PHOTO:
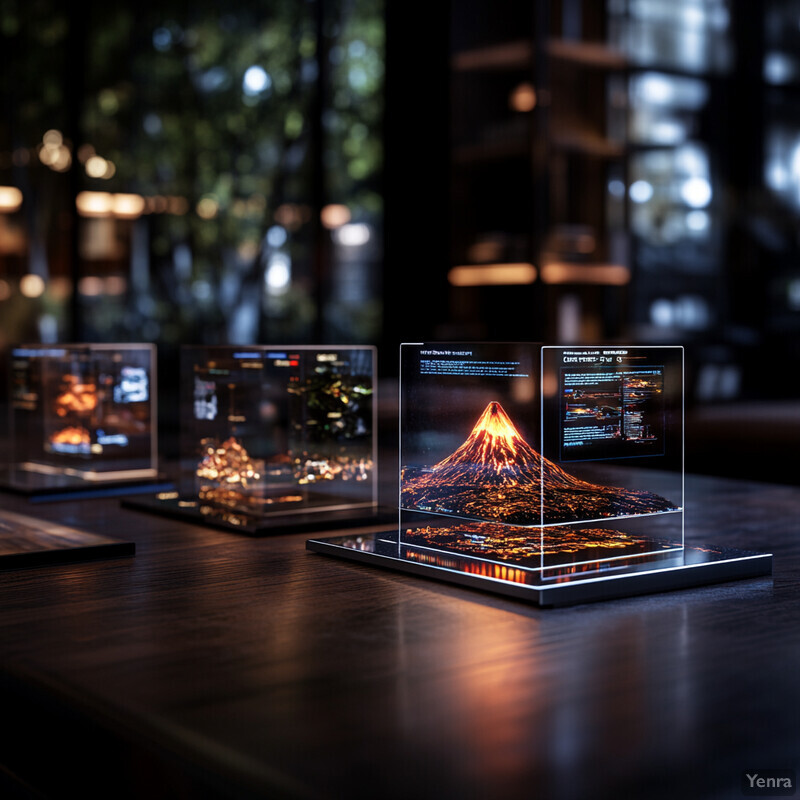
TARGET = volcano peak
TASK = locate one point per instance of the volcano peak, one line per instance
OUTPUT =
(496, 447)
(495, 422)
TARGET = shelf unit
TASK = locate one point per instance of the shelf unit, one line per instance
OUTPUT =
(532, 156)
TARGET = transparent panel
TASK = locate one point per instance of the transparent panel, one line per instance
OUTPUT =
(84, 411)
(277, 430)
(611, 453)
(525, 457)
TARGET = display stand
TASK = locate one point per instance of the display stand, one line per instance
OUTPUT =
(172, 504)
(29, 542)
(274, 439)
(82, 421)
(548, 473)
(52, 488)
(693, 566)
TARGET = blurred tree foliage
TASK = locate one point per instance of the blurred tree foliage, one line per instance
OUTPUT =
(236, 121)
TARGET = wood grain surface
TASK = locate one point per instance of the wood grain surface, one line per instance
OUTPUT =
(218, 665)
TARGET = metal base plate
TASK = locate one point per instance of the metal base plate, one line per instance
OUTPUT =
(550, 587)
(189, 509)
(45, 488)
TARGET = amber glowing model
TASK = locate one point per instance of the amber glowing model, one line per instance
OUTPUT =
(78, 396)
(229, 463)
(229, 477)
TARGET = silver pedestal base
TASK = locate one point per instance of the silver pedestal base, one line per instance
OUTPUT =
(551, 587)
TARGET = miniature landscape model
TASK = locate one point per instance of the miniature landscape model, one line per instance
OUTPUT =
(498, 479)
(229, 477)
(331, 444)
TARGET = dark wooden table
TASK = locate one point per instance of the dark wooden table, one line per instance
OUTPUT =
(216, 665)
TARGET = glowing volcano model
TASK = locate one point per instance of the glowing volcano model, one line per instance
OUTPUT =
(497, 476)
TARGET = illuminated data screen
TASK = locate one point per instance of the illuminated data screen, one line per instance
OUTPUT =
(612, 409)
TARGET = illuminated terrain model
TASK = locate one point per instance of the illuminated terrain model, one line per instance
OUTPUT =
(497, 476)
(229, 477)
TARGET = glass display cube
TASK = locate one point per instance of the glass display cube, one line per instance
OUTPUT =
(556, 469)
(82, 415)
(541, 458)
(275, 437)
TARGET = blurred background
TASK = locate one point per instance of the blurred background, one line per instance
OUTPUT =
(374, 171)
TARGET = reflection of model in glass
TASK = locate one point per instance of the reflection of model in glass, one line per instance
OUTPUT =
(495, 475)
(558, 544)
